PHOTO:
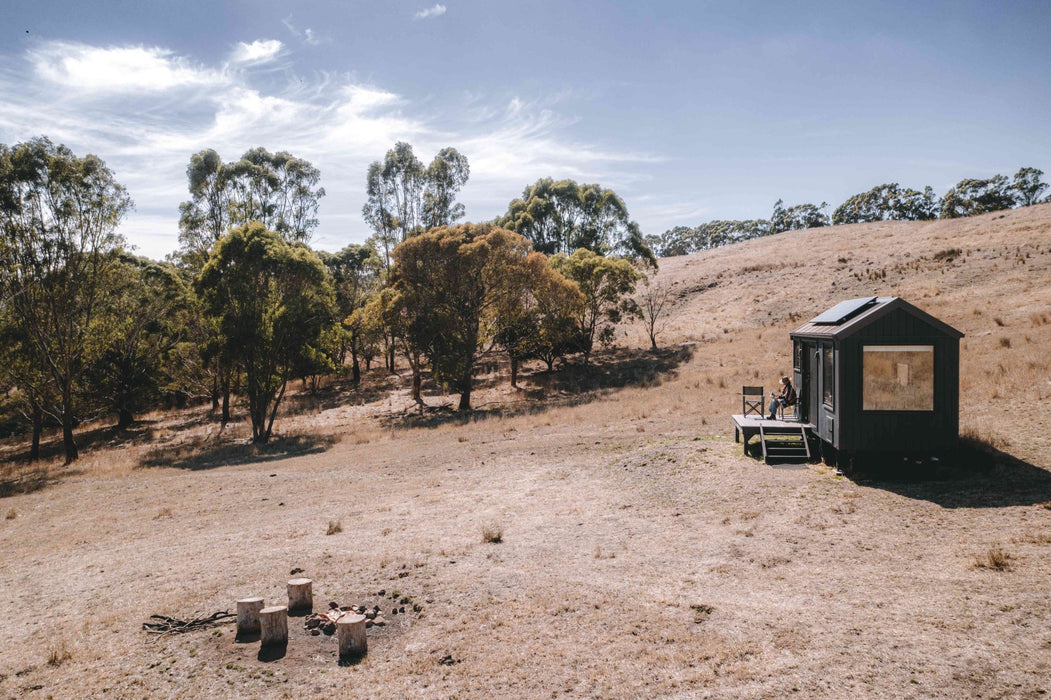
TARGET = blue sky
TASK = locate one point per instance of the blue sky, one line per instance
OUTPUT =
(691, 111)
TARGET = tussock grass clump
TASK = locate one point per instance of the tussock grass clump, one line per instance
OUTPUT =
(59, 655)
(163, 513)
(995, 559)
(492, 533)
(334, 527)
(11, 514)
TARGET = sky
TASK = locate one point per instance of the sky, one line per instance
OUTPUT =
(690, 110)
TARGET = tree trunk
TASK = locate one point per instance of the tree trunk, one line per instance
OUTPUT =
(248, 617)
(215, 393)
(350, 630)
(300, 594)
(124, 417)
(355, 367)
(514, 371)
(465, 400)
(273, 626)
(68, 443)
(225, 417)
(417, 384)
(38, 428)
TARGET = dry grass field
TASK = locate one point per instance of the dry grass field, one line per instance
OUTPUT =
(594, 534)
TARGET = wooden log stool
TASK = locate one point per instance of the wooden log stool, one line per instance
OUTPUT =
(350, 630)
(248, 616)
(300, 595)
(273, 624)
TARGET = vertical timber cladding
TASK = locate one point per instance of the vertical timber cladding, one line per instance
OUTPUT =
(912, 399)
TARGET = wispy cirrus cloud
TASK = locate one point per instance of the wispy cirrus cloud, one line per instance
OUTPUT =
(146, 110)
(437, 11)
(308, 35)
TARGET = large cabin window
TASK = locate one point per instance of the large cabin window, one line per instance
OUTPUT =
(828, 377)
(898, 378)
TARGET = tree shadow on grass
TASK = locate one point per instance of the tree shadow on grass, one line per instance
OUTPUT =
(19, 478)
(200, 454)
(978, 475)
(573, 384)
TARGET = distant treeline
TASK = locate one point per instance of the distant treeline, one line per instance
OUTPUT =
(244, 306)
(889, 202)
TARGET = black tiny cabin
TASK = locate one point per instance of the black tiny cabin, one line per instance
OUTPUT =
(878, 375)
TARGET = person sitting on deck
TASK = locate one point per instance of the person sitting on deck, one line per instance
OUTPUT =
(787, 397)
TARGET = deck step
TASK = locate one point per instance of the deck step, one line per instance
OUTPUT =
(784, 444)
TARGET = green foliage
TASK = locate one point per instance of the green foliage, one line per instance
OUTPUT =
(889, 202)
(271, 299)
(355, 272)
(405, 199)
(449, 283)
(971, 197)
(799, 216)
(1028, 186)
(562, 216)
(147, 317)
(276, 189)
(607, 285)
(683, 240)
(58, 218)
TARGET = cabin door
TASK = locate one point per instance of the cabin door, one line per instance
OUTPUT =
(800, 377)
(823, 400)
(813, 384)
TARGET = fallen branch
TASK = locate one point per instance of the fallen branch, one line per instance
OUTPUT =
(171, 625)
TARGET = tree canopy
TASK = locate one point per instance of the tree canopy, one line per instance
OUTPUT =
(887, 202)
(59, 215)
(271, 299)
(970, 197)
(562, 216)
(278, 190)
(405, 198)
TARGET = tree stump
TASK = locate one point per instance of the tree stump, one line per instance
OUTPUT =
(300, 595)
(273, 624)
(350, 630)
(248, 616)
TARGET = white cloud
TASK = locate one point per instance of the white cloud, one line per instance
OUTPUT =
(258, 51)
(87, 68)
(437, 11)
(340, 125)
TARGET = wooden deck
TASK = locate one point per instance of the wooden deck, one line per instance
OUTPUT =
(746, 427)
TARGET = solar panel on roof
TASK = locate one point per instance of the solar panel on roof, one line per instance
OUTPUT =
(843, 311)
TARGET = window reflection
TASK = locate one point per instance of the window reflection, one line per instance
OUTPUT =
(898, 378)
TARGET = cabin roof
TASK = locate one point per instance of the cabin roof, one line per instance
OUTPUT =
(852, 315)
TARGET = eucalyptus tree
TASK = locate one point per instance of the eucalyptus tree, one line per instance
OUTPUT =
(406, 198)
(271, 299)
(277, 189)
(1028, 186)
(355, 275)
(607, 285)
(147, 316)
(59, 215)
(798, 216)
(453, 281)
(970, 197)
(887, 202)
(562, 216)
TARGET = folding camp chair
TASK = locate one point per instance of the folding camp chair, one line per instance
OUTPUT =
(752, 399)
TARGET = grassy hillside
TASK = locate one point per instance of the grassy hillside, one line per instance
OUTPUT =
(640, 554)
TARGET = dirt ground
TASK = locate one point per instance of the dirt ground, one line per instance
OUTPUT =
(640, 553)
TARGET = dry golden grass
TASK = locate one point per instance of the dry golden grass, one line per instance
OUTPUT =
(644, 557)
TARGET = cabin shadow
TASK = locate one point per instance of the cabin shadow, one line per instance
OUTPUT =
(572, 384)
(976, 476)
(198, 455)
